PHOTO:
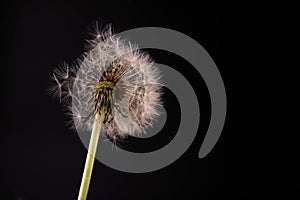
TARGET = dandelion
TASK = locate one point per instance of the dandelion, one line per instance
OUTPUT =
(114, 88)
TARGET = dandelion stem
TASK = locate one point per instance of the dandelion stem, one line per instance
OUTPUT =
(89, 163)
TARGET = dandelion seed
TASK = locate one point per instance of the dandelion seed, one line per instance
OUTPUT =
(115, 88)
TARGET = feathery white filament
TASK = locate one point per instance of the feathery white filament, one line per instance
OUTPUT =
(136, 93)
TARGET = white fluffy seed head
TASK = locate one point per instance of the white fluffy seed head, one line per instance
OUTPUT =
(136, 95)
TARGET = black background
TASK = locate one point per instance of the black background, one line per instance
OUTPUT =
(41, 158)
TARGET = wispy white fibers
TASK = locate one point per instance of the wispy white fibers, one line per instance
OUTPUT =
(135, 82)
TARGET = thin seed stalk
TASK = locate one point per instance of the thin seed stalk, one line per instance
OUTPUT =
(89, 163)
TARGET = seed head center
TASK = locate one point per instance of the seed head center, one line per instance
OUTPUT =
(103, 98)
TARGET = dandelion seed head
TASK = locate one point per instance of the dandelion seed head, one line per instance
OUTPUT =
(113, 77)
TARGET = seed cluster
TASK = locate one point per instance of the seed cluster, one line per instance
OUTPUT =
(113, 78)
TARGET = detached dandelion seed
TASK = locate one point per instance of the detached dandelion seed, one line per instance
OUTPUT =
(114, 88)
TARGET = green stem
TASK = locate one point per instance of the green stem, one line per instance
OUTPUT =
(89, 163)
